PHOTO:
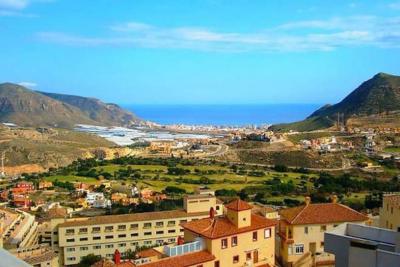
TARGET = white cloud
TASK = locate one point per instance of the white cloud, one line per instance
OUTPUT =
(319, 35)
(395, 5)
(28, 84)
(14, 4)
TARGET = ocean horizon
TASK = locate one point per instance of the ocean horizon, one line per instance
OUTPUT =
(223, 115)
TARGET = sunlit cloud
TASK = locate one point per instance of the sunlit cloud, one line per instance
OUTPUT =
(316, 35)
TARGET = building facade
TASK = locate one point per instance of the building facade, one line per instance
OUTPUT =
(389, 214)
(102, 235)
(301, 232)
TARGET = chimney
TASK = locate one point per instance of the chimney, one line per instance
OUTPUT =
(212, 213)
(117, 257)
(180, 240)
(307, 200)
(334, 199)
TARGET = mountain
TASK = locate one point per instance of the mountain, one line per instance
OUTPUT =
(25, 107)
(380, 94)
(104, 113)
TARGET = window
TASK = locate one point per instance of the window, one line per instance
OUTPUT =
(134, 234)
(83, 239)
(71, 240)
(122, 245)
(236, 259)
(323, 228)
(160, 232)
(147, 225)
(216, 264)
(248, 256)
(299, 249)
(109, 228)
(83, 248)
(224, 243)
(234, 241)
(147, 242)
(109, 236)
(110, 246)
(171, 223)
(183, 221)
(121, 227)
(171, 231)
(95, 229)
(83, 231)
(171, 240)
(70, 249)
(306, 230)
(255, 236)
(71, 258)
(159, 224)
(217, 207)
(134, 226)
(147, 233)
(267, 233)
(96, 237)
(135, 244)
(96, 247)
(69, 231)
(159, 242)
(322, 244)
(122, 236)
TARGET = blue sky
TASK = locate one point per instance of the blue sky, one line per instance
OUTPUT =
(199, 51)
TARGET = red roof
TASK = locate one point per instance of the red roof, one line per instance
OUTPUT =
(184, 260)
(222, 226)
(149, 253)
(238, 205)
(321, 213)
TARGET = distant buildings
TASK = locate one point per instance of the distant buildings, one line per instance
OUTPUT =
(358, 245)
(301, 231)
(390, 212)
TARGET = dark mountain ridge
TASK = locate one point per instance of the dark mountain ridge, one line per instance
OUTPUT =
(25, 107)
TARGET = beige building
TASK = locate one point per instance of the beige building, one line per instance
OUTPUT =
(236, 238)
(389, 214)
(37, 256)
(102, 235)
(301, 232)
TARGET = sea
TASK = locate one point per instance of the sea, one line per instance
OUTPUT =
(223, 115)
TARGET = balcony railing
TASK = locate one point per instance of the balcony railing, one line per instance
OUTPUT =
(183, 249)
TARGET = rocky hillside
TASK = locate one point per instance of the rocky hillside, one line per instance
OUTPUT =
(25, 107)
(378, 95)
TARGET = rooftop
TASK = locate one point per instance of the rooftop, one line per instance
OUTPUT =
(184, 260)
(46, 256)
(145, 216)
(238, 205)
(321, 213)
(149, 253)
(221, 226)
(109, 263)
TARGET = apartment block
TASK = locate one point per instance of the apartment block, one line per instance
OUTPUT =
(102, 235)
(389, 214)
(235, 238)
(301, 232)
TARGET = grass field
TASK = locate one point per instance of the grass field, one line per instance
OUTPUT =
(157, 178)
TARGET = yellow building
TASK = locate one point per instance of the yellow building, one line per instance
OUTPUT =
(301, 231)
(236, 238)
(389, 214)
(102, 235)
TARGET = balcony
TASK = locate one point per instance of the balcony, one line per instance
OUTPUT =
(176, 250)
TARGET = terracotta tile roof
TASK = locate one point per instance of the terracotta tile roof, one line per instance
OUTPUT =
(149, 253)
(393, 200)
(184, 260)
(321, 213)
(145, 216)
(46, 256)
(109, 263)
(56, 212)
(219, 201)
(238, 205)
(221, 226)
